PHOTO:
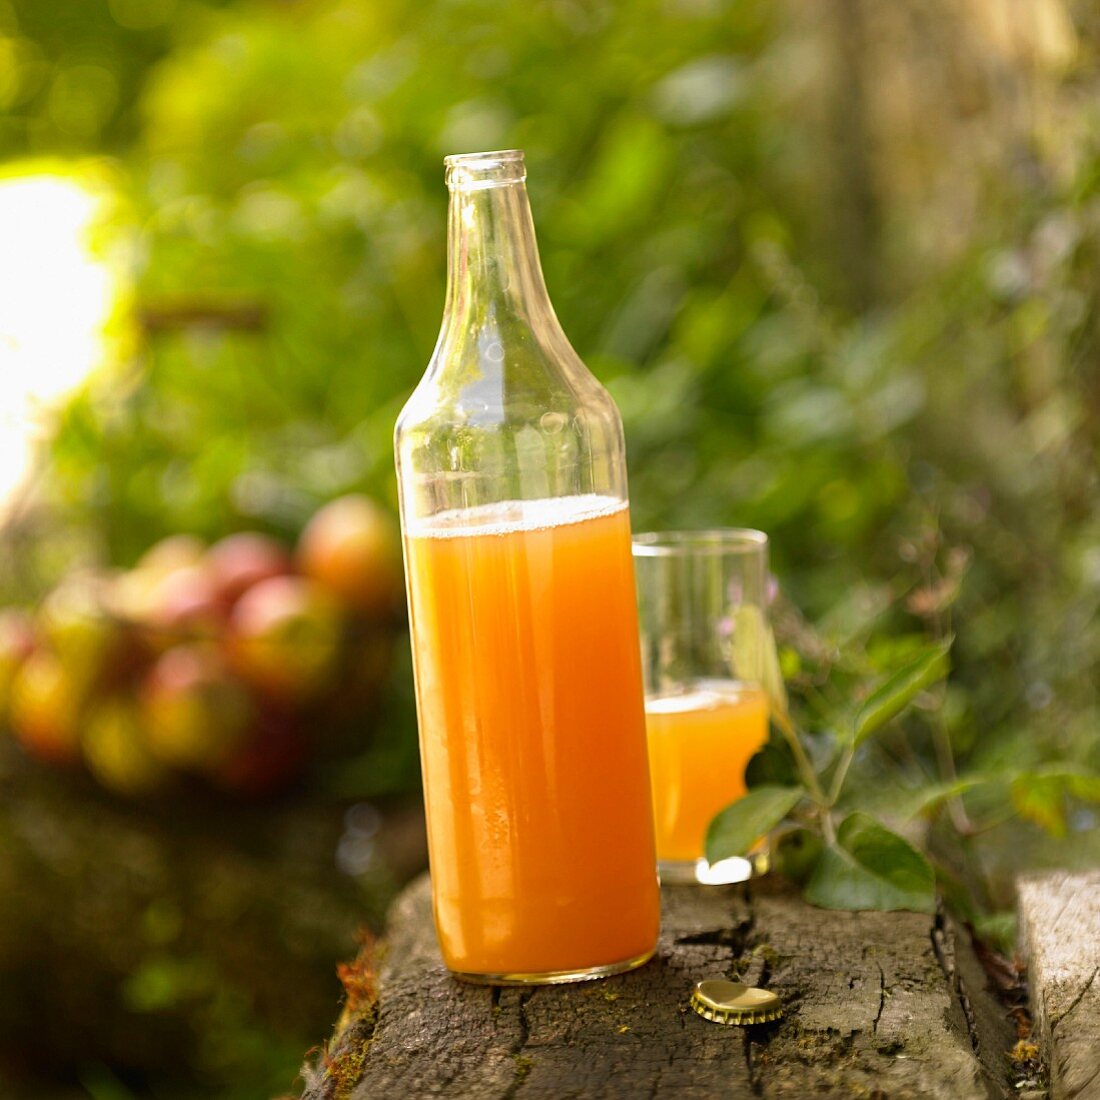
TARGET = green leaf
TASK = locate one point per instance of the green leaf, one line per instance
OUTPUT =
(870, 867)
(1084, 785)
(1041, 799)
(741, 824)
(755, 658)
(1040, 796)
(895, 693)
(772, 765)
(926, 801)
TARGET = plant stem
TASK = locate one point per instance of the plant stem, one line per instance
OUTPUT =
(941, 738)
(806, 770)
(945, 761)
(841, 773)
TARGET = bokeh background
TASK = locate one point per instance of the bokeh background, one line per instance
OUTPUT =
(836, 261)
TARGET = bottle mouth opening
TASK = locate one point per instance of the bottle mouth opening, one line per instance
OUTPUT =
(477, 171)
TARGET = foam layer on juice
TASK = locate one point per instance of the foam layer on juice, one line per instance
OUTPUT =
(508, 516)
(702, 698)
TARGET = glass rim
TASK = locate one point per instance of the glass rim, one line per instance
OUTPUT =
(489, 159)
(712, 540)
(479, 171)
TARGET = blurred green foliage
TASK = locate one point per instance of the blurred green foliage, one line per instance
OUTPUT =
(71, 73)
(837, 274)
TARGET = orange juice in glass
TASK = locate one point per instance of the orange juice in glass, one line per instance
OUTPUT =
(706, 714)
(523, 619)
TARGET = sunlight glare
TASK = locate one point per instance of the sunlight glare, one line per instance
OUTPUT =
(55, 301)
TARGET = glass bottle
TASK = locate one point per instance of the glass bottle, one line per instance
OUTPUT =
(512, 483)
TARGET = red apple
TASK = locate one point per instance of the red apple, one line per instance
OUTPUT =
(115, 749)
(239, 561)
(169, 607)
(45, 708)
(284, 638)
(194, 712)
(186, 602)
(351, 546)
(139, 594)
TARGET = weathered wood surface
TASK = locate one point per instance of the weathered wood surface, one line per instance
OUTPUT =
(1060, 939)
(877, 1006)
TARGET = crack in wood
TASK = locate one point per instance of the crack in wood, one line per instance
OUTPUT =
(968, 1015)
(881, 998)
(524, 1023)
(938, 941)
(735, 938)
(954, 979)
(522, 1064)
(755, 1083)
(1076, 1000)
(765, 973)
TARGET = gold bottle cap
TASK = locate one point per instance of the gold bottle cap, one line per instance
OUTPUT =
(734, 1003)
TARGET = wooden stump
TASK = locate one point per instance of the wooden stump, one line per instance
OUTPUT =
(1060, 938)
(877, 1005)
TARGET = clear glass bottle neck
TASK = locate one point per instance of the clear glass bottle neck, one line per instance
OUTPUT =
(493, 274)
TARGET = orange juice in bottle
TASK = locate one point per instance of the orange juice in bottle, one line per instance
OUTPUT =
(523, 618)
(530, 703)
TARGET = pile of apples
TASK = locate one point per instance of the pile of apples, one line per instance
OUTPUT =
(231, 664)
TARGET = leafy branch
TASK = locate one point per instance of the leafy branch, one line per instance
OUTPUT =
(800, 783)
(855, 862)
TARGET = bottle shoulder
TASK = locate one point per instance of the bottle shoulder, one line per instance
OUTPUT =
(521, 423)
(492, 384)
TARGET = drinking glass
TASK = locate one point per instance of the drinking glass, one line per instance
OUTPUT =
(702, 601)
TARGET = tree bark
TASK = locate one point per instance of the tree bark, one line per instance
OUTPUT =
(876, 1006)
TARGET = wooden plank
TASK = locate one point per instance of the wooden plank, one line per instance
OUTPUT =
(873, 1003)
(1060, 939)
